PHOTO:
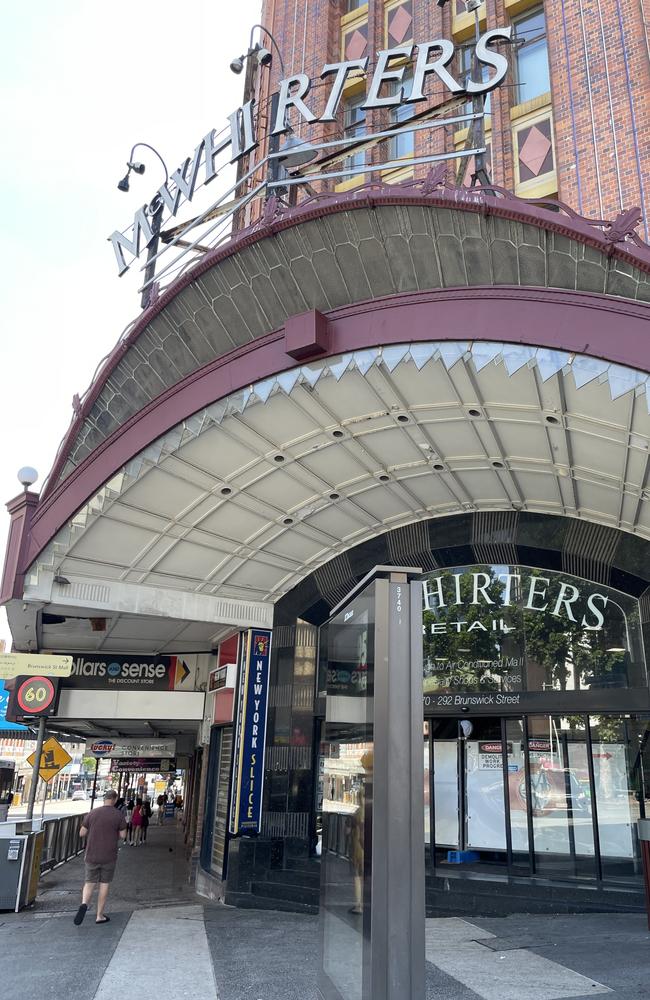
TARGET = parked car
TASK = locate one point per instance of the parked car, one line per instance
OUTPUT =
(78, 795)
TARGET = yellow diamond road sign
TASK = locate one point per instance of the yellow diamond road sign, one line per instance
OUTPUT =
(29, 664)
(54, 757)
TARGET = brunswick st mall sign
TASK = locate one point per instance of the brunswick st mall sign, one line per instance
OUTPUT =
(239, 136)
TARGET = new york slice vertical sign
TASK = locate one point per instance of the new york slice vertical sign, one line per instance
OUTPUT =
(250, 734)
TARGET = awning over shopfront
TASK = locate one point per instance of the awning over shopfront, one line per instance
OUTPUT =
(356, 366)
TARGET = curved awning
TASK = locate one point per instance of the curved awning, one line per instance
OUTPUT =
(214, 497)
(336, 251)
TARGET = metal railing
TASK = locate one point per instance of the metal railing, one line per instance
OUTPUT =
(62, 841)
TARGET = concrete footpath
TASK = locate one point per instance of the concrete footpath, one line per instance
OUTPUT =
(165, 940)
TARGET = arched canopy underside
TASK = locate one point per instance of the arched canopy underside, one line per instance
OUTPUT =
(610, 333)
(253, 493)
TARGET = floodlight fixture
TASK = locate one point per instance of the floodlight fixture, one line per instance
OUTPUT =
(296, 152)
(137, 167)
(263, 55)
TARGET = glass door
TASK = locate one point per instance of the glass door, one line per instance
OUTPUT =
(620, 755)
(444, 787)
(560, 796)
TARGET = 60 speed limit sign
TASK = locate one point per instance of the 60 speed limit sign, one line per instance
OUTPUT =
(32, 696)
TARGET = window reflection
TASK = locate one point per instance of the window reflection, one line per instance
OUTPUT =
(560, 796)
(354, 126)
(346, 780)
(402, 145)
(532, 56)
(619, 746)
(516, 628)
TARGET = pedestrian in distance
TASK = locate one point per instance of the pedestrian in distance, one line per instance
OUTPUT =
(128, 816)
(160, 802)
(102, 829)
(136, 822)
(146, 816)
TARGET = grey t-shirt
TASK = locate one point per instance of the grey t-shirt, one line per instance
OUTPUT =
(103, 825)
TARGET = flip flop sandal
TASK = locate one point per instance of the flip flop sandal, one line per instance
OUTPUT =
(80, 914)
(106, 920)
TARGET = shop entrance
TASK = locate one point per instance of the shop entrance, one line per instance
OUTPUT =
(545, 796)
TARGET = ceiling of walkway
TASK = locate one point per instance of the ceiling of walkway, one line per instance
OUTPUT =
(247, 497)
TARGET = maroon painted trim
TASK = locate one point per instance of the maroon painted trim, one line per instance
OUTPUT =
(611, 242)
(21, 511)
(570, 321)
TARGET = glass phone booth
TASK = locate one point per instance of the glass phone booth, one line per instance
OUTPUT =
(372, 857)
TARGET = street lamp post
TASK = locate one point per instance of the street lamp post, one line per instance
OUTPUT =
(156, 210)
(264, 58)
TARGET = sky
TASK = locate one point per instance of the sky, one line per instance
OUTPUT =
(80, 82)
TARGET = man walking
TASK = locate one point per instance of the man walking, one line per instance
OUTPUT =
(103, 828)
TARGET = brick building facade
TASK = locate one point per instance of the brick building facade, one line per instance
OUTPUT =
(571, 120)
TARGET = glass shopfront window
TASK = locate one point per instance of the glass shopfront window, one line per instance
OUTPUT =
(544, 795)
(502, 630)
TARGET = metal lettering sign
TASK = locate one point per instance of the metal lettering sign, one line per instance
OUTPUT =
(293, 105)
(250, 734)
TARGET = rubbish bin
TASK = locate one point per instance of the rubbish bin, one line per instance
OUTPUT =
(21, 848)
(644, 841)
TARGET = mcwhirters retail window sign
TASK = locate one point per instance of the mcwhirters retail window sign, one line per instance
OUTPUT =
(502, 630)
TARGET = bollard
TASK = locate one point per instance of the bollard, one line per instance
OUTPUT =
(643, 826)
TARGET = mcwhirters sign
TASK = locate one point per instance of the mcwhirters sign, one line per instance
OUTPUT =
(405, 75)
(494, 632)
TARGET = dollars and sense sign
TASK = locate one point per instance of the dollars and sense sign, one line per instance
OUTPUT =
(134, 672)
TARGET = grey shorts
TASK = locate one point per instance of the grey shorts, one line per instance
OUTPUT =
(100, 873)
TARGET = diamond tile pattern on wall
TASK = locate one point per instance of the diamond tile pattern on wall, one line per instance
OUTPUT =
(400, 23)
(356, 43)
(535, 151)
